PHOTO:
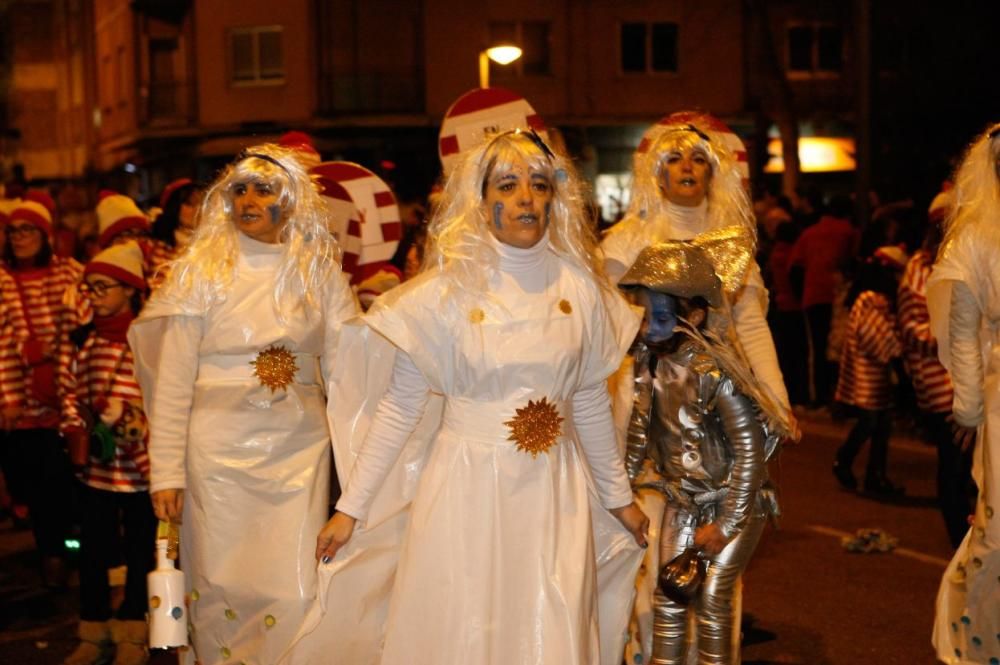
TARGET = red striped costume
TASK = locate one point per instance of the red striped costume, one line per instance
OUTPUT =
(930, 379)
(33, 313)
(870, 343)
(98, 373)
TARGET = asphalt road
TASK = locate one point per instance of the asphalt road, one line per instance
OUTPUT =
(810, 602)
(806, 600)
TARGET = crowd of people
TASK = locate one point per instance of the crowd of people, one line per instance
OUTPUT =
(505, 422)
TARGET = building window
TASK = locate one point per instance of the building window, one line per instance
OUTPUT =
(257, 55)
(648, 48)
(533, 37)
(815, 50)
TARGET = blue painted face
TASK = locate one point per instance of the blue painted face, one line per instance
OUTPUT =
(660, 316)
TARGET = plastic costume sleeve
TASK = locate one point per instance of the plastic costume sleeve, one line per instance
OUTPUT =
(739, 422)
(967, 360)
(168, 402)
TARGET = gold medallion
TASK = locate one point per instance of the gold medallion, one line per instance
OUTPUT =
(275, 367)
(477, 315)
(535, 427)
(565, 307)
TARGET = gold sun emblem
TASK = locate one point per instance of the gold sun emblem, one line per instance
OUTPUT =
(275, 367)
(536, 427)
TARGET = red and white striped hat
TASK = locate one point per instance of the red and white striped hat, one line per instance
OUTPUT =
(730, 139)
(478, 113)
(34, 213)
(122, 262)
(116, 213)
(365, 215)
(6, 208)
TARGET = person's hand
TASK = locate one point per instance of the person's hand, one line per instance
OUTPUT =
(633, 519)
(10, 416)
(709, 539)
(333, 536)
(169, 505)
(962, 436)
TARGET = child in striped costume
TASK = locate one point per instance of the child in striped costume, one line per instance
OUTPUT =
(102, 415)
(865, 383)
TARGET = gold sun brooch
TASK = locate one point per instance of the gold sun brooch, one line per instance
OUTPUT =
(536, 427)
(275, 367)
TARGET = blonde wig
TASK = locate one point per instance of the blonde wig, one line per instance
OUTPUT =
(977, 185)
(728, 203)
(460, 243)
(203, 275)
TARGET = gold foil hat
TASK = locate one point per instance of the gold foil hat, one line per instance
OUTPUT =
(677, 268)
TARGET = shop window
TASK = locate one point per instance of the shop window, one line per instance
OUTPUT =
(257, 55)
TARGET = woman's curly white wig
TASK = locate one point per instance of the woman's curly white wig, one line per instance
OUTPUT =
(977, 184)
(203, 275)
(728, 202)
(460, 242)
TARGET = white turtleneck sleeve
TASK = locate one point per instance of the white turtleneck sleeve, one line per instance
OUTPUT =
(754, 334)
(396, 417)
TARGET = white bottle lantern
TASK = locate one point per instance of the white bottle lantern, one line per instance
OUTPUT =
(168, 621)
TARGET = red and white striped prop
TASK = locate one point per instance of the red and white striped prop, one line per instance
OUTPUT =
(480, 112)
(731, 139)
(365, 215)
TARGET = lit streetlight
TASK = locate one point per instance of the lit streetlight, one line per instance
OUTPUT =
(502, 54)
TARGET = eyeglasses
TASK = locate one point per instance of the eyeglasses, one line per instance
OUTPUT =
(98, 289)
(22, 231)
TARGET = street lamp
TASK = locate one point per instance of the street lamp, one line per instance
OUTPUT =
(502, 54)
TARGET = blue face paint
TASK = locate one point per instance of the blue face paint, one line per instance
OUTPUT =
(275, 211)
(498, 216)
(660, 316)
(561, 175)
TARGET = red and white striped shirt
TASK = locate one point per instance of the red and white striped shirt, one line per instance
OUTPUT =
(101, 377)
(157, 254)
(930, 379)
(34, 311)
(870, 343)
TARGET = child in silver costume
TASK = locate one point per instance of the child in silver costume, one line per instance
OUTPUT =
(700, 433)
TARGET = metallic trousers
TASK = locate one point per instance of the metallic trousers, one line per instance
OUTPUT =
(715, 616)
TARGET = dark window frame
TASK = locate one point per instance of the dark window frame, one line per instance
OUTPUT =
(254, 33)
(649, 51)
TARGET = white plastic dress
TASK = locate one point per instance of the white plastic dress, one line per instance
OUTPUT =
(254, 463)
(503, 553)
(963, 297)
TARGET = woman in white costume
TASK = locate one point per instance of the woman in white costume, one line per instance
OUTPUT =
(231, 353)
(686, 185)
(963, 296)
(514, 323)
